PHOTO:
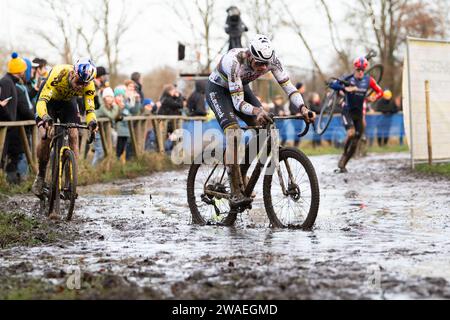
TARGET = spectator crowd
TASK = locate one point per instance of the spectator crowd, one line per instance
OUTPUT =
(19, 89)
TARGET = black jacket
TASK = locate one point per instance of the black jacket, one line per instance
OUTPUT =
(171, 106)
(139, 90)
(386, 107)
(24, 113)
(196, 102)
(235, 27)
(8, 89)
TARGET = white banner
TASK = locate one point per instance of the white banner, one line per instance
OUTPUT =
(427, 61)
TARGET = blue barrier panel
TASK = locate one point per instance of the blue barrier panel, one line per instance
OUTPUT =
(377, 126)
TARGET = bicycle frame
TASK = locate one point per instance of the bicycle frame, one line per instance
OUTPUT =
(254, 178)
(62, 144)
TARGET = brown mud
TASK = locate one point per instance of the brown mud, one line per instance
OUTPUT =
(383, 232)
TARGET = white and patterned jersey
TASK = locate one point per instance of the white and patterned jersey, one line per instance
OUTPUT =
(234, 72)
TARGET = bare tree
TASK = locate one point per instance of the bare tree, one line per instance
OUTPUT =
(113, 32)
(3, 58)
(265, 15)
(386, 25)
(292, 23)
(61, 16)
(90, 37)
(443, 6)
(101, 34)
(206, 13)
(335, 37)
(155, 80)
(203, 12)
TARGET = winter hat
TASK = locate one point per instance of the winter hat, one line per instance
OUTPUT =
(16, 65)
(108, 92)
(148, 101)
(119, 91)
(387, 95)
(101, 71)
(29, 67)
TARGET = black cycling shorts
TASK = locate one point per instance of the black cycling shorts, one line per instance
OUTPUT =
(353, 119)
(219, 100)
(64, 111)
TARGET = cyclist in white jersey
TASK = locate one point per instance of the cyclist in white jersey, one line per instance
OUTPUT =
(229, 95)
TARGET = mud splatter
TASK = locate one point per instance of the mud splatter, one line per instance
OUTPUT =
(382, 233)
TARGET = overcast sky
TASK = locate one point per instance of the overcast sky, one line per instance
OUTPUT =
(152, 40)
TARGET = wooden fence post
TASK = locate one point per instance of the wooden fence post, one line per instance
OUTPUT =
(162, 135)
(34, 143)
(429, 140)
(101, 130)
(2, 140)
(134, 140)
(26, 147)
(108, 137)
(138, 129)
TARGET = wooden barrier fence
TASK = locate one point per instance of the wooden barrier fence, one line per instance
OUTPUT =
(138, 125)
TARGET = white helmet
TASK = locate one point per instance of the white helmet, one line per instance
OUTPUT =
(261, 48)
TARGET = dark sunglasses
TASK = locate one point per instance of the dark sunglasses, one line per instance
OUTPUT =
(360, 70)
(80, 82)
(261, 64)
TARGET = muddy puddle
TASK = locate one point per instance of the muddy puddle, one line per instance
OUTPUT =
(381, 233)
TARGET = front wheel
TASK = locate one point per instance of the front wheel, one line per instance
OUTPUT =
(376, 72)
(68, 191)
(327, 111)
(291, 194)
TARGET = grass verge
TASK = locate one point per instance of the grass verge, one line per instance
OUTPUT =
(442, 169)
(109, 170)
(112, 169)
(93, 287)
(18, 229)
(326, 150)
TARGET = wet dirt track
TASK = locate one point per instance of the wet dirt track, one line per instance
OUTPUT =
(381, 233)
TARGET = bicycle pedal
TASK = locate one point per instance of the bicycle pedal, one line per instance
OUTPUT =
(240, 203)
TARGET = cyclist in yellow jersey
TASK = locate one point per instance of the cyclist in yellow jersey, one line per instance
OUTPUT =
(57, 101)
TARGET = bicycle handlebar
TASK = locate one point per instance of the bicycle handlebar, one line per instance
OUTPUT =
(71, 126)
(76, 126)
(304, 133)
(345, 83)
(372, 54)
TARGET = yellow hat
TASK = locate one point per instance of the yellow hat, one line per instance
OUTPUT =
(387, 95)
(16, 65)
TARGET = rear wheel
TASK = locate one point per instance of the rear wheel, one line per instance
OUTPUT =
(208, 209)
(68, 190)
(291, 194)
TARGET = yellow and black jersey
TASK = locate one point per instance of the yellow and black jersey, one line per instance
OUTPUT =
(58, 88)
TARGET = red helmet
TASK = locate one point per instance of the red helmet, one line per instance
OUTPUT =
(361, 63)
